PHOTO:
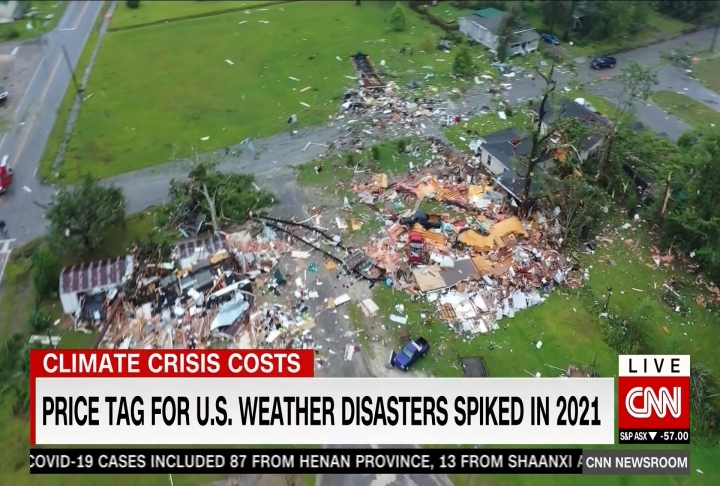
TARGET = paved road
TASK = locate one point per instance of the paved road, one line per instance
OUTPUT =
(35, 117)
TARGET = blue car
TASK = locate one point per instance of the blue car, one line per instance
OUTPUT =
(550, 39)
(408, 354)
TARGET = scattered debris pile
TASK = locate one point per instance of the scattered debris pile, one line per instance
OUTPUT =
(201, 291)
(474, 259)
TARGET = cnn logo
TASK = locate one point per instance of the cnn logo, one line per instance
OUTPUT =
(653, 403)
(654, 392)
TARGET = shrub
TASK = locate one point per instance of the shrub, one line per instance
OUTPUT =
(375, 152)
(45, 274)
(402, 146)
(9, 32)
(133, 4)
(398, 22)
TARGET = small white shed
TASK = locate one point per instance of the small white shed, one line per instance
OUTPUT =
(88, 277)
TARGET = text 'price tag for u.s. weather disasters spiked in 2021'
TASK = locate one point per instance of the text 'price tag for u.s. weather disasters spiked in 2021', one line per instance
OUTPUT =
(654, 399)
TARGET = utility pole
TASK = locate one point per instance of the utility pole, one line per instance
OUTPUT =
(72, 71)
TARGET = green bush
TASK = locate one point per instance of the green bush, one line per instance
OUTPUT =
(45, 274)
(133, 4)
(375, 152)
(398, 22)
(9, 32)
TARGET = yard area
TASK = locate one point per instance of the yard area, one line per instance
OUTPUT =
(657, 27)
(461, 134)
(40, 25)
(707, 72)
(201, 102)
(447, 12)
(687, 109)
(150, 12)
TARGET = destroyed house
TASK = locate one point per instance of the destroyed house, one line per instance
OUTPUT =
(597, 125)
(363, 66)
(206, 289)
(84, 280)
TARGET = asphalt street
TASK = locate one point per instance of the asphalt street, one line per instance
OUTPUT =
(34, 118)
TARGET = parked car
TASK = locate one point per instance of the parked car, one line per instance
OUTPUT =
(601, 62)
(3, 94)
(550, 39)
(410, 353)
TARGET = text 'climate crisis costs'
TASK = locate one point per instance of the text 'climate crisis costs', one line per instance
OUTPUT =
(318, 411)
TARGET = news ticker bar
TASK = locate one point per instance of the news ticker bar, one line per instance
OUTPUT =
(641, 437)
(358, 461)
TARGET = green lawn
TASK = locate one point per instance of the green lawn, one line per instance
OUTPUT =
(153, 101)
(461, 134)
(707, 72)
(657, 27)
(18, 30)
(447, 12)
(57, 134)
(687, 109)
(150, 12)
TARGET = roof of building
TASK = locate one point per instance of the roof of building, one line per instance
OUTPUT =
(487, 13)
(569, 109)
(88, 276)
(527, 35)
(491, 19)
(506, 145)
(514, 183)
(206, 246)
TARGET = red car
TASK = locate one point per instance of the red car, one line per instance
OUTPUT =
(5, 174)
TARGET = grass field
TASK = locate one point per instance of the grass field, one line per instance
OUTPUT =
(149, 12)
(153, 101)
(707, 72)
(18, 30)
(461, 134)
(687, 109)
(656, 28)
(447, 12)
(57, 134)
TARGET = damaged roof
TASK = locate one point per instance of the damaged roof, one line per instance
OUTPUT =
(208, 245)
(570, 109)
(88, 276)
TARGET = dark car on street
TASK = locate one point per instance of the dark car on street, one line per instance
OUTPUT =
(550, 39)
(601, 62)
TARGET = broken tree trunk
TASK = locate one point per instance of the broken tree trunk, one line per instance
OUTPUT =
(211, 206)
(666, 198)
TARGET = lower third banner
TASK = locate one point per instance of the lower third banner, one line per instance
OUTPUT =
(306, 461)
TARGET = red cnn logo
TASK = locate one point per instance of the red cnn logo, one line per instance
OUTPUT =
(654, 392)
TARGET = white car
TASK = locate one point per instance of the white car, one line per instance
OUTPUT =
(3, 94)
